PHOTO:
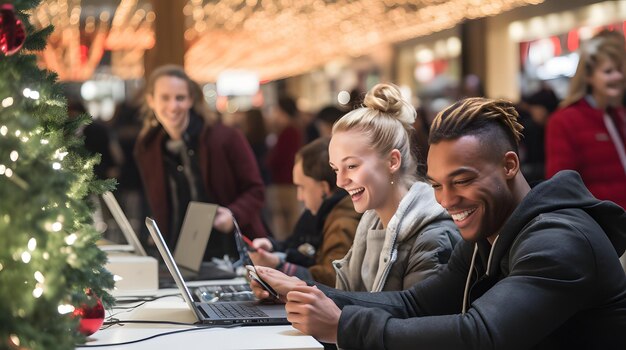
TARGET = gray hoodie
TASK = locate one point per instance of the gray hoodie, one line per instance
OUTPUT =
(418, 241)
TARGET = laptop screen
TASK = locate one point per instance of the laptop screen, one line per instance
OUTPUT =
(194, 235)
(171, 265)
(122, 222)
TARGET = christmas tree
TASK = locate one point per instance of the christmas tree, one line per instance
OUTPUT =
(48, 256)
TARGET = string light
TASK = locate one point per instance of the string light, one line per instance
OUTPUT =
(32, 244)
(14, 339)
(26, 257)
(32, 94)
(282, 38)
(57, 226)
(39, 277)
(60, 155)
(3, 130)
(76, 46)
(14, 156)
(38, 291)
(7, 102)
(65, 309)
(71, 239)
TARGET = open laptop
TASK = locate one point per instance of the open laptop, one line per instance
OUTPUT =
(192, 242)
(224, 313)
(134, 245)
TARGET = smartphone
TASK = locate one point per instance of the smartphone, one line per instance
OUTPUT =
(252, 273)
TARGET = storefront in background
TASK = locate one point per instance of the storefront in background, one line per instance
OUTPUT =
(536, 45)
(428, 70)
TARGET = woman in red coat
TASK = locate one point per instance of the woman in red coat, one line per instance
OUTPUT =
(184, 155)
(588, 133)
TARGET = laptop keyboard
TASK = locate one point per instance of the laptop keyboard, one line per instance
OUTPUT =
(232, 310)
(229, 292)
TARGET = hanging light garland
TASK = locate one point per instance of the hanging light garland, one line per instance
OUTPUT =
(280, 38)
(80, 38)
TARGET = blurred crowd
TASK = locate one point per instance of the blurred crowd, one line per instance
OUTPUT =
(584, 132)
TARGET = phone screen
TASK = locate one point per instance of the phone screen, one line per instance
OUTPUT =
(244, 247)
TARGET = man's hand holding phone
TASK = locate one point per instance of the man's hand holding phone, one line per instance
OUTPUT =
(255, 277)
(279, 284)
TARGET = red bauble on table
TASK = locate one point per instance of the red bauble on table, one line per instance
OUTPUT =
(12, 33)
(91, 317)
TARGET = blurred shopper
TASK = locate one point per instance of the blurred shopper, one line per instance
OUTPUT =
(282, 201)
(534, 117)
(419, 141)
(184, 155)
(325, 119)
(588, 134)
(98, 140)
(253, 127)
(309, 255)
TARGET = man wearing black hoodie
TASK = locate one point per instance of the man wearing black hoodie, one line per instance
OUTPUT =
(537, 268)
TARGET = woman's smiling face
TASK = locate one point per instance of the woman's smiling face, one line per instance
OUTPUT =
(361, 171)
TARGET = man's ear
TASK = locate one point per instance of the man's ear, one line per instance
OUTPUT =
(395, 160)
(325, 187)
(511, 164)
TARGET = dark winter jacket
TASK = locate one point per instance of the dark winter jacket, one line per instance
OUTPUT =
(229, 171)
(554, 282)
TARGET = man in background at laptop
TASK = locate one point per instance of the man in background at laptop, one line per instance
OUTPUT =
(184, 155)
(536, 268)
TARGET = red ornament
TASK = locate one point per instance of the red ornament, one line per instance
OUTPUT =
(91, 317)
(12, 33)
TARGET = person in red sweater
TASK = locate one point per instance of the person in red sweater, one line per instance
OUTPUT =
(588, 133)
(184, 154)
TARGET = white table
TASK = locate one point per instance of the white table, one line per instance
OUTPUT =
(173, 308)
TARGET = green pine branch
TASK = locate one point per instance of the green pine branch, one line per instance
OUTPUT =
(48, 255)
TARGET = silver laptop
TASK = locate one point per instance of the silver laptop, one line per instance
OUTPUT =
(194, 235)
(122, 221)
(223, 313)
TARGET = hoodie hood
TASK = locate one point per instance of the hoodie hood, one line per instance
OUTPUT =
(421, 207)
(417, 210)
(565, 190)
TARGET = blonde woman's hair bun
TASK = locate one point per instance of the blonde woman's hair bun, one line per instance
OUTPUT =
(387, 99)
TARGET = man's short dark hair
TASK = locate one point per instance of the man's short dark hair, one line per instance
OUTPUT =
(494, 122)
(315, 158)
